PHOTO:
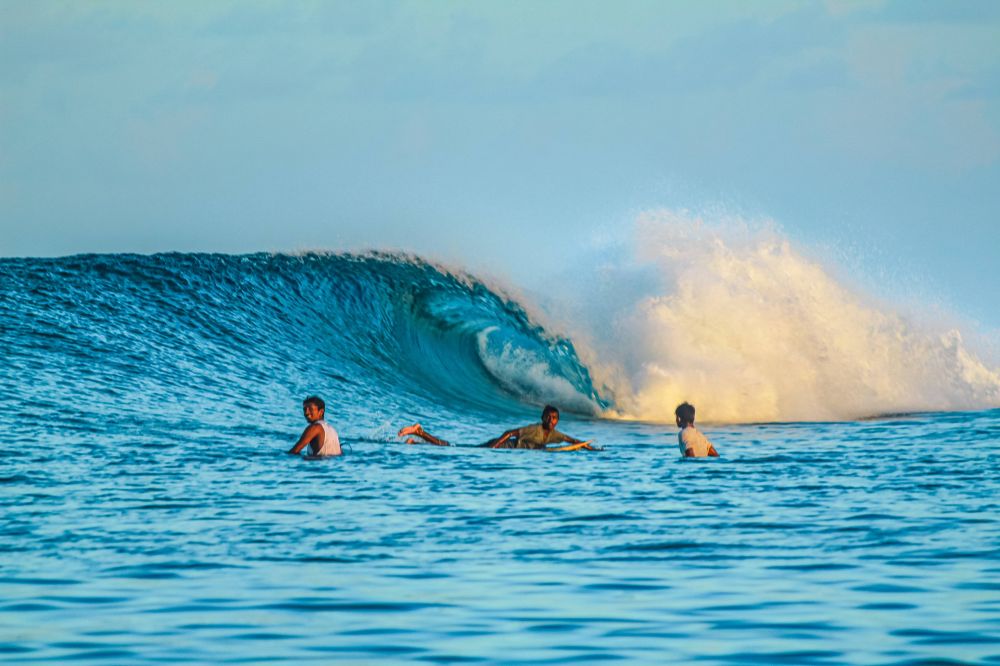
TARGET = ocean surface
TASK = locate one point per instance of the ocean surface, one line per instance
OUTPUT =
(149, 514)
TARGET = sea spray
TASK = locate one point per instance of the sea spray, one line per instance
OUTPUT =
(730, 316)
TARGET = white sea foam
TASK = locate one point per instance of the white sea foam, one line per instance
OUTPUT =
(729, 316)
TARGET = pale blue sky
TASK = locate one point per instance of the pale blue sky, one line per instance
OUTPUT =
(506, 135)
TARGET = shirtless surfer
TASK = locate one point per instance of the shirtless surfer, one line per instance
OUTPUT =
(535, 436)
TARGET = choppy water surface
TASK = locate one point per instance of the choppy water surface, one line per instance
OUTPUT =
(865, 543)
(148, 513)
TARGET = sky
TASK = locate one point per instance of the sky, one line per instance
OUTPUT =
(508, 135)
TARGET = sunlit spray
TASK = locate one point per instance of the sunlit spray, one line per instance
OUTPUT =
(733, 318)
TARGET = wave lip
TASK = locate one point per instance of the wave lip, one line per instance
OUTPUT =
(474, 340)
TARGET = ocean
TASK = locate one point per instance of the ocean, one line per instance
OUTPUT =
(149, 513)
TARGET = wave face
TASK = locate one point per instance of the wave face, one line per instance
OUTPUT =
(731, 317)
(380, 336)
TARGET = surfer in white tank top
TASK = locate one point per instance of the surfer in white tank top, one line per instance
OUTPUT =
(331, 442)
(319, 435)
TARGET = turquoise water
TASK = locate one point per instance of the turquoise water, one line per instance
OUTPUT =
(148, 513)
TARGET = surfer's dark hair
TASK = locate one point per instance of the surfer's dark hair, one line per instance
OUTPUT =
(315, 400)
(685, 412)
(548, 409)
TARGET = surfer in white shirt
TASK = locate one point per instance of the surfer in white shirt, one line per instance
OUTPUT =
(692, 443)
(319, 435)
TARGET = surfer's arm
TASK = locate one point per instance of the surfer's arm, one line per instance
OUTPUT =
(557, 436)
(504, 437)
(418, 430)
(308, 435)
(431, 439)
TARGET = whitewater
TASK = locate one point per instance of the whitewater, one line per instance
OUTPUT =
(730, 315)
(149, 514)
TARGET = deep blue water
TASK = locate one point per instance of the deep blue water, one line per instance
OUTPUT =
(148, 513)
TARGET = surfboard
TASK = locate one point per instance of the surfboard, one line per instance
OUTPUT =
(576, 447)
